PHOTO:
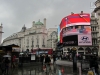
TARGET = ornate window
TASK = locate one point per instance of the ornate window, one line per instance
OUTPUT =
(43, 42)
(37, 41)
(27, 43)
(32, 42)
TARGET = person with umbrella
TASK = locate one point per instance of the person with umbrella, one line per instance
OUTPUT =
(7, 62)
(3, 68)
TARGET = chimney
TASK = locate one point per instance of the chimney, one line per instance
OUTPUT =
(45, 22)
(33, 23)
(81, 12)
(72, 13)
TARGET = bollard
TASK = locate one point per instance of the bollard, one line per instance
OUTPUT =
(35, 71)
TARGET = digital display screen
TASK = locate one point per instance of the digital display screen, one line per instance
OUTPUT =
(70, 40)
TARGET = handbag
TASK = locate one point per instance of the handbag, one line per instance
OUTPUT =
(90, 72)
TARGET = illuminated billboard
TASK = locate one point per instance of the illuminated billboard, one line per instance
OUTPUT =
(70, 41)
(76, 30)
(76, 26)
(84, 39)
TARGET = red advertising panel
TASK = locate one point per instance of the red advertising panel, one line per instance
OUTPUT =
(78, 19)
(63, 23)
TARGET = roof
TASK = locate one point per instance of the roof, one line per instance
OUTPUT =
(39, 23)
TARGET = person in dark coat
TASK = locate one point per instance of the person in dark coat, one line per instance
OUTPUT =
(7, 62)
(94, 63)
(47, 60)
(41, 59)
(3, 67)
(54, 59)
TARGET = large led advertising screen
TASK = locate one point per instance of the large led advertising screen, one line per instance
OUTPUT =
(70, 40)
(76, 24)
(76, 30)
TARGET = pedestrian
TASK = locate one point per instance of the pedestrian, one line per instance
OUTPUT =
(52, 64)
(54, 58)
(47, 62)
(94, 64)
(42, 59)
(7, 62)
(3, 67)
(13, 61)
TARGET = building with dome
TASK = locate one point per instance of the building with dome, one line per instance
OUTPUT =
(36, 38)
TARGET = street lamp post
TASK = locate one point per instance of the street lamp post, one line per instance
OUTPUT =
(74, 59)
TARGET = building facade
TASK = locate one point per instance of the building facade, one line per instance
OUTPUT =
(32, 38)
(97, 12)
(94, 29)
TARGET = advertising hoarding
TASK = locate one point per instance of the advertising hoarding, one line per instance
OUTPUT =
(78, 19)
(70, 40)
(76, 30)
(75, 24)
(84, 40)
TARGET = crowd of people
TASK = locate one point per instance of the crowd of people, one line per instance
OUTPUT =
(48, 62)
(6, 63)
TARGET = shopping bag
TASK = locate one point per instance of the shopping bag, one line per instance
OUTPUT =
(44, 67)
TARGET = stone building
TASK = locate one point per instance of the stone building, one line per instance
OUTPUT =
(36, 37)
(94, 29)
(97, 12)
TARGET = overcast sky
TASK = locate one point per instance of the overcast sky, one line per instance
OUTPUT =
(15, 13)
